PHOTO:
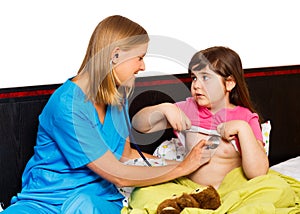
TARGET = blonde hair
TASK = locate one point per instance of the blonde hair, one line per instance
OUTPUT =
(110, 33)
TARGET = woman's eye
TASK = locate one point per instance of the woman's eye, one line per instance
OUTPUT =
(194, 78)
(141, 58)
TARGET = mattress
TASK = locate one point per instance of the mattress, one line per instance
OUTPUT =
(290, 167)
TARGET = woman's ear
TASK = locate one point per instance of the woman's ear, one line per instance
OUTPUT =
(115, 55)
(230, 83)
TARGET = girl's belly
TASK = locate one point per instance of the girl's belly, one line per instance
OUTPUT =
(214, 172)
(224, 159)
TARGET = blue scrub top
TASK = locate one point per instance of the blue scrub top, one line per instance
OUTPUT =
(70, 136)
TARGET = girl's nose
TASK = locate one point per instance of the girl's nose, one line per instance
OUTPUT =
(197, 84)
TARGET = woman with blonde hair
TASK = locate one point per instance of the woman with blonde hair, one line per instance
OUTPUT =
(82, 139)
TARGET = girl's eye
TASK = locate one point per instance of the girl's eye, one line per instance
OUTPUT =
(205, 78)
(194, 78)
(141, 58)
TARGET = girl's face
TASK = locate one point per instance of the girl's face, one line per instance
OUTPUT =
(209, 89)
(129, 63)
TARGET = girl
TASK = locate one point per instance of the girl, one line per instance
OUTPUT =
(220, 104)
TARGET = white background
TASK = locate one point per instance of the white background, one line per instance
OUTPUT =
(44, 41)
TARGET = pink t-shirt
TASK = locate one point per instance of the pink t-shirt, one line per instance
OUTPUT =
(202, 117)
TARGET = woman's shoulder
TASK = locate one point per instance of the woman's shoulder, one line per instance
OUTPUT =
(65, 98)
(67, 92)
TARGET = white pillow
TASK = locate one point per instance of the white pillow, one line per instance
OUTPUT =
(266, 129)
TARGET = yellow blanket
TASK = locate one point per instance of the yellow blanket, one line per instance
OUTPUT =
(271, 193)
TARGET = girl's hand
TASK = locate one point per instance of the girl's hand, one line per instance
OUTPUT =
(229, 130)
(176, 117)
(254, 159)
(159, 117)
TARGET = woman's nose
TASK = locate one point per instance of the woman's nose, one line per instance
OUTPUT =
(142, 66)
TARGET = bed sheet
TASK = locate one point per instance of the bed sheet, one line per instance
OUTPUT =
(271, 193)
(289, 167)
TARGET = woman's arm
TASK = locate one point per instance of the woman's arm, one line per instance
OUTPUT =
(254, 159)
(159, 117)
(130, 153)
(111, 169)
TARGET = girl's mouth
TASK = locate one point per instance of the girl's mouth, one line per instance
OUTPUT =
(199, 95)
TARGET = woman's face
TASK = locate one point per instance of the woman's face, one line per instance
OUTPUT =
(129, 63)
(208, 89)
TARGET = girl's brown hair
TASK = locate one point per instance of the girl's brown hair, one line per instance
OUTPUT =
(226, 63)
(110, 33)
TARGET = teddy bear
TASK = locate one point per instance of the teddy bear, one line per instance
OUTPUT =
(204, 198)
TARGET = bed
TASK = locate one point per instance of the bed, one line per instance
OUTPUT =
(284, 150)
(276, 192)
(289, 167)
(20, 107)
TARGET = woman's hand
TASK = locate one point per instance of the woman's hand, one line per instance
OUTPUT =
(197, 157)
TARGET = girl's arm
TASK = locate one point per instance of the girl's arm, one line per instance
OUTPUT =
(111, 169)
(254, 159)
(159, 117)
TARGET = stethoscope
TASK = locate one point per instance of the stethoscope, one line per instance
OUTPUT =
(131, 137)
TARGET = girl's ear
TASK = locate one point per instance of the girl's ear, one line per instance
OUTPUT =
(230, 83)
